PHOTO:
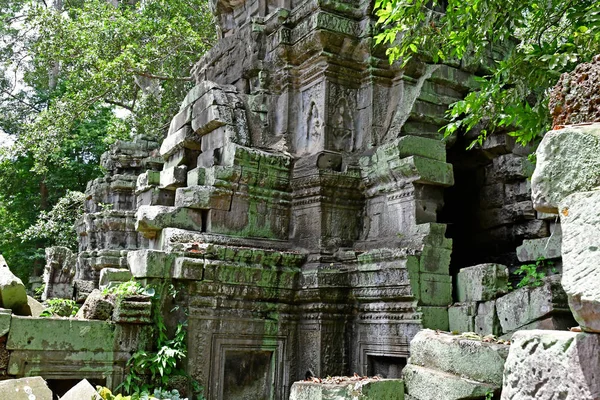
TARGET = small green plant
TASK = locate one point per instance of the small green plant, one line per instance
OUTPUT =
(534, 274)
(39, 291)
(489, 395)
(128, 288)
(159, 394)
(152, 369)
(60, 308)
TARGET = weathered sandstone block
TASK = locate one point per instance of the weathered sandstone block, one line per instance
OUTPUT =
(25, 389)
(454, 354)
(544, 365)
(528, 304)
(581, 259)
(482, 282)
(568, 161)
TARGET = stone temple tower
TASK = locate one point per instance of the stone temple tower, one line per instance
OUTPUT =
(296, 209)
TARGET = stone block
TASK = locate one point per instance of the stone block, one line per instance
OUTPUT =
(152, 219)
(5, 318)
(173, 177)
(179, 122)
(507, 168)
(97, 306)
(188, 268)
(113, 275)
(56, 334)
(556, 322)
(486, 320)
(349, 389)
(435, 260)
(210, 118)
(407, 146)
(204, 198)
(155, 197)
(428, 384)
(196, 176)
(507, 214)
(147, 180)
(482, 282)
(580, 222)
(546, 248)
(461, 317)
(182, 157)
(150, 263)
(82, 391)
(527, 304)
(12, 291)
(32, 388)
(517, 191)
(568, 161)
(545, 365)
(133, 309)
(434, 317)
(197, 92)
(435, 290)
(472, 359)
(35, 307)
(434, 234)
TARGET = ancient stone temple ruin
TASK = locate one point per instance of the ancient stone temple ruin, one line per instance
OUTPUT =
(302, 209)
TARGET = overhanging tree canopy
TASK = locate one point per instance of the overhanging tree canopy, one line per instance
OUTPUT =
(525, 46)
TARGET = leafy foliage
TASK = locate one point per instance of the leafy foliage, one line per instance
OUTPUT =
(74, 77)
(153, 369)
(58, 224)
(135, 57)
(534, 274)
(520, 48)
(60, 308)
(158, 394)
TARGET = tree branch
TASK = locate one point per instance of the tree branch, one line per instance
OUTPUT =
(164, 78)
(120, 104)
(20, 100)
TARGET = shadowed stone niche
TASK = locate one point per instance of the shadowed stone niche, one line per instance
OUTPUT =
(294, 204)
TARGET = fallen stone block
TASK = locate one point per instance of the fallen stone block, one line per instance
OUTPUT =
(482, 282)
(455, 354)
(568, 161)
(545, 365)
(581, 258)
(528, 304)
(133, 309)
(428, 384)
(32, 388)
(12, 291)
(82, 391)
(349, 389)
(97, 306)
(35, 307)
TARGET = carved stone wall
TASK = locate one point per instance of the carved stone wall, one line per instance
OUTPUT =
(294, 204)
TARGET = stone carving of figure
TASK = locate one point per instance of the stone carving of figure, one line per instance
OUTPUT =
(342, 127)
(314, 129)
